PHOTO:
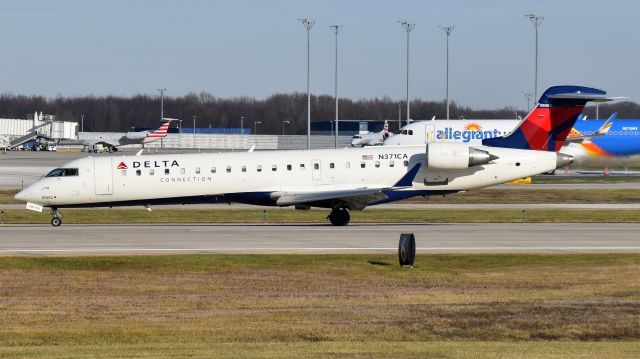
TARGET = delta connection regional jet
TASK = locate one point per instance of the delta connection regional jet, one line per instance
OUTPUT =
(340, 179)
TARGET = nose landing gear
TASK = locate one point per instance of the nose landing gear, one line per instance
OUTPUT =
(56, 221)
(339, 217)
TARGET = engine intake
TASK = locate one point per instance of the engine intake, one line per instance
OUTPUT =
(456, 156)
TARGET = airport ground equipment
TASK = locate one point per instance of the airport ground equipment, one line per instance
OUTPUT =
(407, 250)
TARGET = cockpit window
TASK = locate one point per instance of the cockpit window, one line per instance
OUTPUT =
(63, 172)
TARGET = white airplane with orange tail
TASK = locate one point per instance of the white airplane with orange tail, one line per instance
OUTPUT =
(131, 138)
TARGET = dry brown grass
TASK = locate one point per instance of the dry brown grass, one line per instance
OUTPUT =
(316, 304)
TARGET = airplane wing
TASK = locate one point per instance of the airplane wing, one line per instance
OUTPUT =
(603, 130)
(356, 198)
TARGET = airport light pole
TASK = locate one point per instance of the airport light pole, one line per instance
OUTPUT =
(529, 97)
(448, 30)
(336, 30)
(536, 21)
(82, 123)
(162, 91)
(399, 102)
(194, 131)
(308, 24)
(407, 27)
(284, 123)
(242, 125)
(255, 126)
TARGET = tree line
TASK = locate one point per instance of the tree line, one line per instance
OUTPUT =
(120, 114)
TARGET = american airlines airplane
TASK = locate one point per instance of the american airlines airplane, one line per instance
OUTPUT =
(339, 179)
(131, 138)
(371, 139)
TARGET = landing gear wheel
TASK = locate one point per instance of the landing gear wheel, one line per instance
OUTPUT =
(56, 221)
(339, 217)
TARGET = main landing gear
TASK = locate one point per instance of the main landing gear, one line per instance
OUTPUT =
(339, 217)
(57, 217)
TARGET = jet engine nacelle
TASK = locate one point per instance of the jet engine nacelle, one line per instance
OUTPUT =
(455, 156)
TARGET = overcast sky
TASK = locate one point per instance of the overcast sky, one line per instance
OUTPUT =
(257, 48)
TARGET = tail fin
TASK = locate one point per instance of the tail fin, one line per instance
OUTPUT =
(161, 130)
(546, 127)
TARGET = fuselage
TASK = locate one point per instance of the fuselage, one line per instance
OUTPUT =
(623, 138)
(259, 177)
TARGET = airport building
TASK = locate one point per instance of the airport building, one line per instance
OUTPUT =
(19, 132)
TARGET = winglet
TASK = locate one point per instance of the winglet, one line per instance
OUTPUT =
(407, 179)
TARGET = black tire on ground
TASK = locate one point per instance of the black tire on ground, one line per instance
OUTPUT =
(56, 221)
(339, 217)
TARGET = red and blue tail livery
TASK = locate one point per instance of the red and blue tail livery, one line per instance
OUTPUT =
(546, 127)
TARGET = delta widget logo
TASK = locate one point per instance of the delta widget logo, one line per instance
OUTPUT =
(122, 166)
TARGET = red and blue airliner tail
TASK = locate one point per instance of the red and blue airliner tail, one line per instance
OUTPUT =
(161, 130)
(546, 127)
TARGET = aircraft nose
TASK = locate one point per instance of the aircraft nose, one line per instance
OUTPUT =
(22, 196)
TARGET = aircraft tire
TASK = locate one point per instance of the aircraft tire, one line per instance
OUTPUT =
(56, 221)
(339, 217)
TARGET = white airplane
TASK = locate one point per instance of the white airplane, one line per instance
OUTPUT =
(371, 139)
(340, 179)
(130, 138)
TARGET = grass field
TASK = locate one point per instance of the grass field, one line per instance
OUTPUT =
(335, 306)
(109, 216)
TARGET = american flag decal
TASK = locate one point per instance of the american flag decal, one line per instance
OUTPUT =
(367, 157)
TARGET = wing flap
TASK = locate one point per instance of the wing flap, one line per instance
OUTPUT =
(290, 198)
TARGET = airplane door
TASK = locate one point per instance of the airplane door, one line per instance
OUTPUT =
(103, 175)
(316, 170)
(430, 133)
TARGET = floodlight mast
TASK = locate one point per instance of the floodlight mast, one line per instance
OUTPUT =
(529, 97)
(308, 24)
(447, 30)
(536, 21)
(407, 27)
(336, 29)
(162, 91)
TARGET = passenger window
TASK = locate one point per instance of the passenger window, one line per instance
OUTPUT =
(124, 173)
(377, 164)
(331, 165)
(410, 132)
(213, 170)
(391, 164)
(316, 166)
(182, 171)
(347, 165)
(259, 168)
(274, 168)
(166, 171)
(406, 163)
(244, 169)
(302, 166)
(197, 170)
(228, 169)
(138, 172)
(362, 165)
(289, 167)
(151, 172)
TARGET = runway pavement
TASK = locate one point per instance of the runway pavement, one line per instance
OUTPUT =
(358, 238)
